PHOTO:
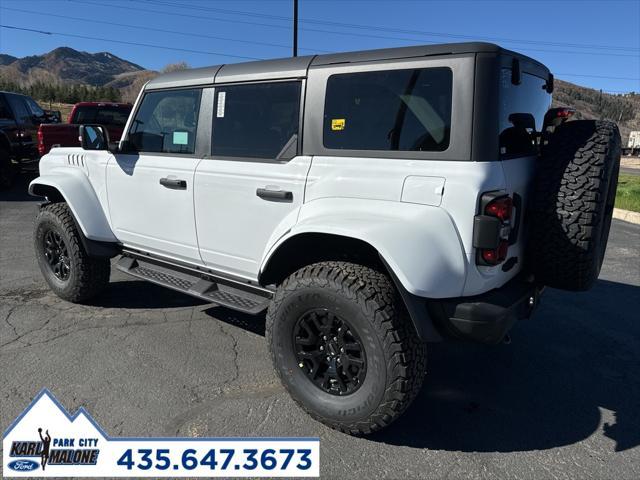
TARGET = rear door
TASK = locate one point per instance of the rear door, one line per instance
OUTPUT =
(150, 188)
(249, 189)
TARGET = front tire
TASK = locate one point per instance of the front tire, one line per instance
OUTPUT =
(343, 346)
(70, 272)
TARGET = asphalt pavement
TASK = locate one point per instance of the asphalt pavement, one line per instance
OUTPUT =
(561, 401)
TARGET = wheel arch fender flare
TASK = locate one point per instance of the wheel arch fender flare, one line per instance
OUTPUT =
(76, 190)
(418, 245)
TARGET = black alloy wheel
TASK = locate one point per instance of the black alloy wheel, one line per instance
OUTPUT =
(57, 255)
(329, 352)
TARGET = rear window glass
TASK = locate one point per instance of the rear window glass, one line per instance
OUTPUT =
(406, 110)
(522, 109)
(107, 115)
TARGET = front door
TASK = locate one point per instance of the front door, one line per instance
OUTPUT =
(150, 187)
(249, 190)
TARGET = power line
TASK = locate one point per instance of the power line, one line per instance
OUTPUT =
(140, 27)
(150, 45)
(393, 30)
(350, 34)
(240, 56)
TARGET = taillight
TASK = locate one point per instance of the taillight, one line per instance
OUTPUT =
(492, 229)
(500, 207)
(41, 143)
(496, 255)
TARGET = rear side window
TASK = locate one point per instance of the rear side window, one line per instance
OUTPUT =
(256, 121)
(19, 108)
(34, 107)
(5, 113)
(166, 122)
(522, 109)
(406, 110)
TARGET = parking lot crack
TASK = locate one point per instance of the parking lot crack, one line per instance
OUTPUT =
(234, 346)
(6, 320)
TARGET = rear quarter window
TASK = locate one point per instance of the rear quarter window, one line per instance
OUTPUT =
(401, 110)
(522, 109)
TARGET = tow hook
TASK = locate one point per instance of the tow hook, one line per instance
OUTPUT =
(506, 339)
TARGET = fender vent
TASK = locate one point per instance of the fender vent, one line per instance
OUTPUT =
(76, 160)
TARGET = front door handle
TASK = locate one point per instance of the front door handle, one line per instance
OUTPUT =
(173, 183)
(281, 195)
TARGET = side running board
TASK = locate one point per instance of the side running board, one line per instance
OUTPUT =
(232, 294)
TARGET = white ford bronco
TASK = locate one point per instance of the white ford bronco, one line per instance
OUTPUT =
(370, 202)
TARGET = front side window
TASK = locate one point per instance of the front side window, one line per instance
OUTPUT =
(522, 109)
(403, 110)
(256, 120)
(166, 122)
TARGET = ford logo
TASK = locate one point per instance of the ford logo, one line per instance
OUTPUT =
(23, 465)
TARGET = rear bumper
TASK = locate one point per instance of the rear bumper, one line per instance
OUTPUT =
(485, 318)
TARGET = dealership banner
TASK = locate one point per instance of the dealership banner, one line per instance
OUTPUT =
(46, 441)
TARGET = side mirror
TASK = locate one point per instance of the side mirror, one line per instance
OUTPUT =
(94, 137)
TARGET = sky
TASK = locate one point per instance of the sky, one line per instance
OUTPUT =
(595, 43)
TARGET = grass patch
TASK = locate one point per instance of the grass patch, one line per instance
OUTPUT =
(628, 194)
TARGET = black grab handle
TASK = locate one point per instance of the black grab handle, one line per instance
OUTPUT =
(267, 194)
(173, 183)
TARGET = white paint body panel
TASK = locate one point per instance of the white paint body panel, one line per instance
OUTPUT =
(415, 240)
(234, 224)
(79, 176)
(418, 214)
(147, 215)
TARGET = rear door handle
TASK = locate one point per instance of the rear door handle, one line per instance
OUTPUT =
(269, 194)
(173, 183)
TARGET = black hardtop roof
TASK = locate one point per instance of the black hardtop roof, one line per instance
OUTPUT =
(294, 67)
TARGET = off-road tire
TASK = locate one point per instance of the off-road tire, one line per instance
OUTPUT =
(575, 190)
(7, 170)
(396, 358)
(88, 276)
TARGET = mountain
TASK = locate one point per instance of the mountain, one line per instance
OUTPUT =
(6, 59)
(66, 65)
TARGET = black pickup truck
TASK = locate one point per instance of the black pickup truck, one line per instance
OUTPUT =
(20, 117)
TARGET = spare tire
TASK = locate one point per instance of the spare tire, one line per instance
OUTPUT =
(574, 193)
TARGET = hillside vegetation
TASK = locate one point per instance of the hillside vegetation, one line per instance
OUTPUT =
(592, 104)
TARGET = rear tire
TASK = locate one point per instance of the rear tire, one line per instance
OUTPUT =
(358, 308)
(575, 190)
(70, 272)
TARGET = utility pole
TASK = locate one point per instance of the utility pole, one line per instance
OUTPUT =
(295, 28)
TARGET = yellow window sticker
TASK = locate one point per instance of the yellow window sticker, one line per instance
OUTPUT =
(337, 123)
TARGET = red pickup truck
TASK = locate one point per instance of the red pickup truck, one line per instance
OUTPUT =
(112, 115)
